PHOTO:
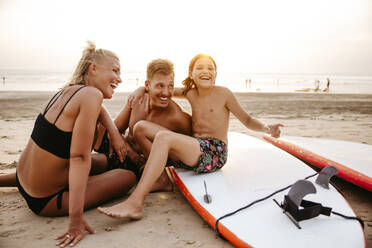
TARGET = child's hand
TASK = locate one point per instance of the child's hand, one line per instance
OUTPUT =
(274, 129)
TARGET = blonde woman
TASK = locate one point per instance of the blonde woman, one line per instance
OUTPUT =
(53, 170)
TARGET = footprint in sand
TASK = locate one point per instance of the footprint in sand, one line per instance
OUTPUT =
(13, 152)
(11, 232)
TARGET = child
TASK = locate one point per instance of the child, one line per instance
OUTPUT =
(206, 151)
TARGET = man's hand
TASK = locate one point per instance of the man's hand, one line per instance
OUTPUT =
(136, 97)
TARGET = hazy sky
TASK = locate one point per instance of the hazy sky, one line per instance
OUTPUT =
(257, 36)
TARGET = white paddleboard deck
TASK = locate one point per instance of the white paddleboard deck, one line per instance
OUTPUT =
(353, 160)
(254, 170)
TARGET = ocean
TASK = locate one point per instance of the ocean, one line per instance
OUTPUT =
(26, 80)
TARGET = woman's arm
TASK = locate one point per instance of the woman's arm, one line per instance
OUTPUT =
(80, 161)
(116, 140)
(248, 120)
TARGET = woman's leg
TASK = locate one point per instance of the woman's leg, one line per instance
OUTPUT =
(181, 147)
(8, 180)
(100, 189)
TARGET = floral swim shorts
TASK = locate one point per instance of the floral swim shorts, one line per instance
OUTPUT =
(213, 158)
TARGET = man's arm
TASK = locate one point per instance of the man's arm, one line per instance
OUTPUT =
(178, 93)
(184, 123)
(122, 120)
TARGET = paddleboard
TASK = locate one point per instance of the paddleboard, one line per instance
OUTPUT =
(256, 169)
(353, 160)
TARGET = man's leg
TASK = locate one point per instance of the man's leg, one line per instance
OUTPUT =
(181, 147)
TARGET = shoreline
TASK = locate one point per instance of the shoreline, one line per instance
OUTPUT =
(284, 93)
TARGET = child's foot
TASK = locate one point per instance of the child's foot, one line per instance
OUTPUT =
(123, 210)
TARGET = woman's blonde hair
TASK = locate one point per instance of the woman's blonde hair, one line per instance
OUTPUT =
(189, 82)
(90, 55)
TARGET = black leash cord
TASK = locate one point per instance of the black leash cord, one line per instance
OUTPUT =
(350, 218)
(267, 197)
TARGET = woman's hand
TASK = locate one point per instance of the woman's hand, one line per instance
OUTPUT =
(75, 233)
(118, 144)
(273, 130)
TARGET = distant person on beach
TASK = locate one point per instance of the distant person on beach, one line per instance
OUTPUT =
(317, 85)
(248, 83)
(4, 80)
(53, 170)
(328, 85)
(158, 107)
(206, 151)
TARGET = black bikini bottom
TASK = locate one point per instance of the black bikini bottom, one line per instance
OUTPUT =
(38, 204)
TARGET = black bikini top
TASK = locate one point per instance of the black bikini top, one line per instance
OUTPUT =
(48, 136)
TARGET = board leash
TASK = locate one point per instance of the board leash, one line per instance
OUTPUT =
(291, 218)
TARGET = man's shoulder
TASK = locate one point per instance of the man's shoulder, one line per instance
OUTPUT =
(179, 119)
(176, 111)
(173, 107)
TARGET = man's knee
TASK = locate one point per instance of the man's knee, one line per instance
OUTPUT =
(139, 129)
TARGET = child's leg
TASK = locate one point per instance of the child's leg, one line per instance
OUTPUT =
(144, 133)
(100, 189)
(182, 147)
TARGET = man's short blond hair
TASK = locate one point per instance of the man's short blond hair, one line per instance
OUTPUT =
(163, 66)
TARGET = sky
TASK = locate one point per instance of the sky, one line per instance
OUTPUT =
(249, 36)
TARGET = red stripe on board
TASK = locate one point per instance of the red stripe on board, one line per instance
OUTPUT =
(344, 172)
(226, 233)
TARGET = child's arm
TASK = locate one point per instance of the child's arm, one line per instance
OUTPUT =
(248, 120)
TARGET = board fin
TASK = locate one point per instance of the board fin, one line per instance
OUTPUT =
(299, 190)
(325, 176)
(207, 197)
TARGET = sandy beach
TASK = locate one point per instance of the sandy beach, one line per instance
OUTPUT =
(169, 220)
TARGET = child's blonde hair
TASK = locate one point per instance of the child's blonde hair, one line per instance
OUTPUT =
(90, 55)
(189, 82)
(163, 66)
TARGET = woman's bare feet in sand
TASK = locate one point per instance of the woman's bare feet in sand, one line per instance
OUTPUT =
(125, 210)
